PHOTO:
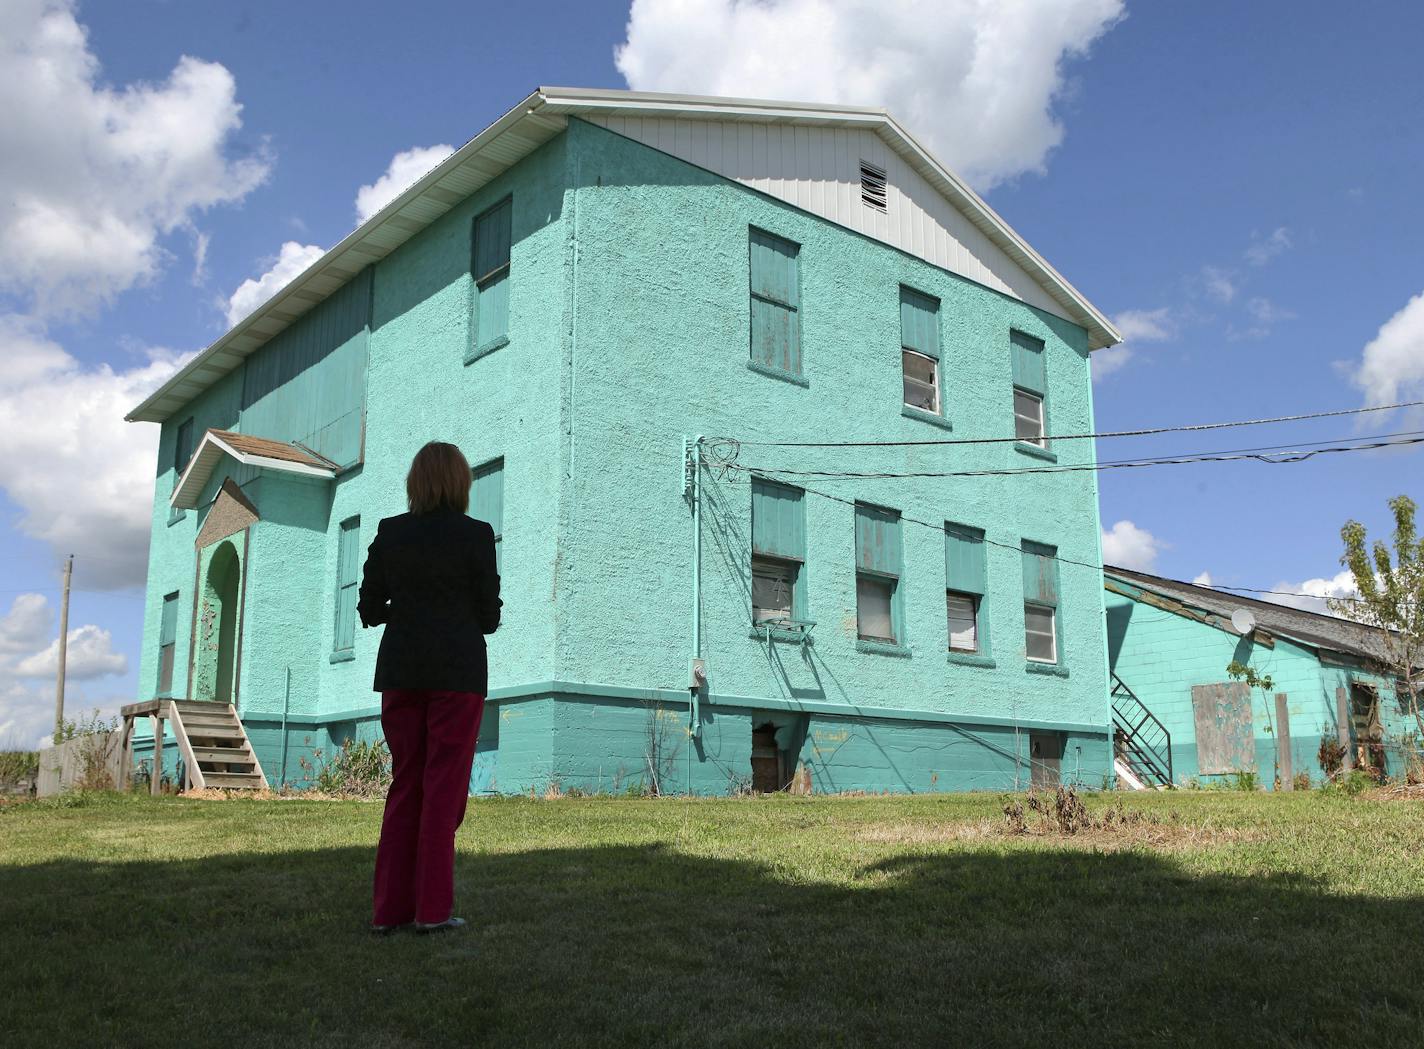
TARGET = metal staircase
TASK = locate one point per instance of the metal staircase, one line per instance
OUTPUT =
(1142, 746)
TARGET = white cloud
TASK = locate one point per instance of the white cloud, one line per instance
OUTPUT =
(1315, 591)
(1127, 546)
(1204, 579)
(1136, 326)
(81, 477)
(95, 175)
(1263, 249)
(26, 626)
(289, 263)
(403, 170)
(1220, 284)
(28, 656)
(1391, 365)
(976, 80)
(89, 653)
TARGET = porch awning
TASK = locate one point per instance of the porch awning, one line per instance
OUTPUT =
(250, 451)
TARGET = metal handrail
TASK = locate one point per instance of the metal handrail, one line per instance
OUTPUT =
(1148, 741)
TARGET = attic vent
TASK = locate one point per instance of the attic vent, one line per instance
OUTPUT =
(872, 186)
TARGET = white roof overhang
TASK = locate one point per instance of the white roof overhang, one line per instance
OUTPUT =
(211, 450)
(522, 130)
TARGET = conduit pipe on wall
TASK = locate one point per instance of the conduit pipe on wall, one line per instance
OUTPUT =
(286, 704)
(693, 464)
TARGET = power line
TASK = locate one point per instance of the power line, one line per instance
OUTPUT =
(1079, 436)
(1274, 459)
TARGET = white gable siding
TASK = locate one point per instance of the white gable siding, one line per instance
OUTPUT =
(818, 170)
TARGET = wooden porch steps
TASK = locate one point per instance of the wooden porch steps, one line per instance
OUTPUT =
(215, 748)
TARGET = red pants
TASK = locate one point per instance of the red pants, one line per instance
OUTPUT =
(431, 736)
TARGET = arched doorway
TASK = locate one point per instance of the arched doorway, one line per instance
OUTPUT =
(222, 594)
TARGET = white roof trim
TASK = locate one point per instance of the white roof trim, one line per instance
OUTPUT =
(210, 451)
(524, 128)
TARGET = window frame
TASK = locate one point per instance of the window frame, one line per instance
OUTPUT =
(892, 585)
(167, 649)
(766, 564)
(975, 600)
(1052, 613)
(485, 469)
(1041, 441)
(933, 383)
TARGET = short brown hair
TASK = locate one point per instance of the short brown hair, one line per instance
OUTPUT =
(439, 479)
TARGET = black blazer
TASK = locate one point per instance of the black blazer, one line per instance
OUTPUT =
(431, 579)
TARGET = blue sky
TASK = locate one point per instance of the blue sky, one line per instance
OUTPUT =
(1238, 183)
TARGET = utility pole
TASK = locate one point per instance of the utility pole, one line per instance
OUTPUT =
(63, 650)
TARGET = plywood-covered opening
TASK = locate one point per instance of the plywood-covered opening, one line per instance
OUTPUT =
(771, 763)
(1045, 751)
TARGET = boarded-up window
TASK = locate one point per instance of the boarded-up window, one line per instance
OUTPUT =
(167, 643)
(1225, 742)
(348, 553)
(964, 582)
(1030, 388)
(1046, 754)
(490, 268)
(878, 560)
(778, 551)
(487, 503)
(775, 302)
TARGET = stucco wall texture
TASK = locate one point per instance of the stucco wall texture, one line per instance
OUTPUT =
(1160, 656)
(629, 322)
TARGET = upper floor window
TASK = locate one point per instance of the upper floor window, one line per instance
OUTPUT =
(490, 269)
(487, 503)
(775, 303)
(919, 350)
(778, 553)
(878, 564)
(1030, 389)
(182, 448)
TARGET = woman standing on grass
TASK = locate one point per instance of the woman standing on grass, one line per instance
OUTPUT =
(430, 576)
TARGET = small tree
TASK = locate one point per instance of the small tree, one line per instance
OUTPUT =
(1391, 598)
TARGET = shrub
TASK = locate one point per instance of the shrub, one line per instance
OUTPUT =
(1331, 754)
(1301, 781)
(1244, 781)
(360, 769)
(18, 766)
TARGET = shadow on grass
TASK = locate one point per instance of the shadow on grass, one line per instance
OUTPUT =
(645, 946)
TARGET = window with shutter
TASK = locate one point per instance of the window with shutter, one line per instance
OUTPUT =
(778, 553)
(965, 584)
(490, 269)
(167, 643)
(348, 571)
(878, 562)
(919, 350)
(1040, 581)
(1030, 388)
(775, 302)
(487, 503)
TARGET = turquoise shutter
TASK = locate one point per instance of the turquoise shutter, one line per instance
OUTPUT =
(778, 520)
(775, 302)
(183, 446)
(1027, 354)
(347, 577)
(1040, 571)
(877, 540)
(487, 502)
(964, 559)
(919, 322)
(168, 625)
(490, 269)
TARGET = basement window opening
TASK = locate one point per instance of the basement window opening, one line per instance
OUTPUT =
(873, 186)
(770, 766)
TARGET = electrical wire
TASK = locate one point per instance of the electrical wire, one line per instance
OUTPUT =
(1267, 456)
(1145, 432)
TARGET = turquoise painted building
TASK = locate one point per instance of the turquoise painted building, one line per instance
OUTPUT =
(1170, 643)
(643, 318)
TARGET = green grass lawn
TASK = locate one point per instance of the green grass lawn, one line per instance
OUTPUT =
(1248, 920)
